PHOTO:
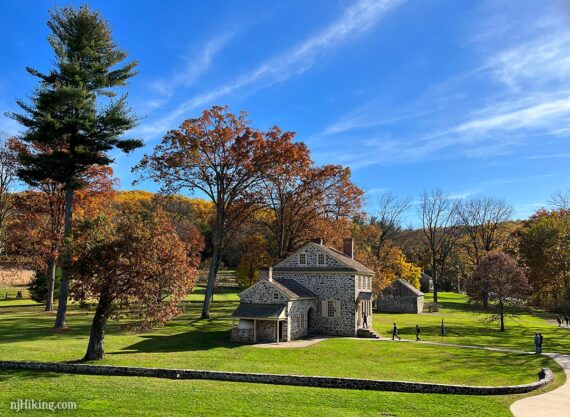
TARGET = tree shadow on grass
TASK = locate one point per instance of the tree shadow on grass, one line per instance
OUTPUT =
(6, 375)
(181, 342)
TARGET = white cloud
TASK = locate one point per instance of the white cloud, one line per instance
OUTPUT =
(196, 65)
(356, 19)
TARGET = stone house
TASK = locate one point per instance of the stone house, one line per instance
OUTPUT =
(400, 297)
(315, 291)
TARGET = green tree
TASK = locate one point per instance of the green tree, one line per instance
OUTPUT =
(74, 118)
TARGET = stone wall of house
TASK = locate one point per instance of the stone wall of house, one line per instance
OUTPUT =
(263, 293)
(311, 251)
(545, 377)
(298, 309)
(265, 331)
(402, 304)
(241, 335)
(329, 286)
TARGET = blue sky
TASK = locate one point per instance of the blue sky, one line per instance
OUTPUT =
(469, 96)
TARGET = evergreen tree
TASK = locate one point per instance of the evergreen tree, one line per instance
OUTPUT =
(74, 118)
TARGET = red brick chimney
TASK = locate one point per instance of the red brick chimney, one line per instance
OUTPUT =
(348, 247)
(318, 240)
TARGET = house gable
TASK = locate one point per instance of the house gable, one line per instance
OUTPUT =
(264, 291)
(316, 257)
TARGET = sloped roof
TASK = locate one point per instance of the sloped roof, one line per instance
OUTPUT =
(350, 264)
(253, 310)
(295, 287)
(408, 286)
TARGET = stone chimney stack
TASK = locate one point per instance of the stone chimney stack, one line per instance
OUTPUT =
(348, 247)
(318, 240)
(266, 273)
(270, 274)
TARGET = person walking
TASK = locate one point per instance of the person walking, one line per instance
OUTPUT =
(540, 342)
(566, 319)
(536, 343)
(558, 320)
(395, 332)
(364, 320)
(418, 331)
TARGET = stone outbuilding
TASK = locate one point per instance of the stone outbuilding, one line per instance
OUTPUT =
(426, 283)
(315, 291)
(400, 297)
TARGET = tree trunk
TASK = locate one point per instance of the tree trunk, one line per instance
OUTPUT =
(211, 281)
(65, 260)
(502, 315)
(434, 278)
(95, 348)
(51, 284)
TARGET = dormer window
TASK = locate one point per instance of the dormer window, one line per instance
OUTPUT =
(276, 296)
(321, 259)
(302, 259)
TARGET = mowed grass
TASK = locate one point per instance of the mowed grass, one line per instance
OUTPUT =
(188, 342)
(466, 324)
(191, 343)
(121, 396)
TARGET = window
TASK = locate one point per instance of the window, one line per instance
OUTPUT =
(276, 296)
(321, 259)
(301, 322)
(331, 308)
(302, 259)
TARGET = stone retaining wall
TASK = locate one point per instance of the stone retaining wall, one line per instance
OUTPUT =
(545, 377)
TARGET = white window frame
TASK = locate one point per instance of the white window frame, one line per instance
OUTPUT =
(303, 255)
(323, 257)
(331, 310)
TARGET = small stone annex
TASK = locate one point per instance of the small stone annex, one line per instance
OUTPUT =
(315, 291)
(400, 297)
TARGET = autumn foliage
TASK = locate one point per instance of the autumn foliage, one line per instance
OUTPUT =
(135, 260)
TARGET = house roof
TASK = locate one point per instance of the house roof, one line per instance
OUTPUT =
(295, 288)
(349, 264)
(408, 286)
(262, 311)
(364, 296)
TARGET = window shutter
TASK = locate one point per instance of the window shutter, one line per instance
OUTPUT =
(324, 309)
(337, 309)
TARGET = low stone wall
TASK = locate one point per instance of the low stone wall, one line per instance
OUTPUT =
(545, 377)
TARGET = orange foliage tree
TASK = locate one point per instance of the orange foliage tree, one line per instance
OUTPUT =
(135, 260)
(37, 231)
(302, 197)
(220, 155)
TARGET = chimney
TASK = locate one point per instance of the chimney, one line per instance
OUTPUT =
(318, 240)
(266, 273)
(348, 247)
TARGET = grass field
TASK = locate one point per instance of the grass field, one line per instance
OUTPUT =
(187, 342)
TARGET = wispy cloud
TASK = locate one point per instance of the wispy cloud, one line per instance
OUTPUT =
(518, 92)
(356, 20)
(196, 65)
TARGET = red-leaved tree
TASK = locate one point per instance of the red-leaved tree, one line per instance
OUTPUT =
(135, 260)
(499, 276)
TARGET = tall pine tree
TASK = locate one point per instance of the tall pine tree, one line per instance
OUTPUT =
(75, 118)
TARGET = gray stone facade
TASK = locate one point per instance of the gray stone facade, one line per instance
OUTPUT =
(322, 289)
(400, 297)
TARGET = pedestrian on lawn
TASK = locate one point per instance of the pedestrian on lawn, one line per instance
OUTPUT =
(395, 332)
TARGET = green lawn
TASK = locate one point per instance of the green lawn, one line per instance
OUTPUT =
(187, 342)
(466, 325)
